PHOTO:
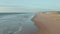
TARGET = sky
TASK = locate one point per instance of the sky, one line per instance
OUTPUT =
(29, 5)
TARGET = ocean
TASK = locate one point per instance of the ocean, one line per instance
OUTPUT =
(16, 23)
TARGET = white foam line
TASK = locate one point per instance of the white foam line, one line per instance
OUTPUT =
(20, 29)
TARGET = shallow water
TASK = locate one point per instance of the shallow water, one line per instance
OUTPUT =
(16, 24)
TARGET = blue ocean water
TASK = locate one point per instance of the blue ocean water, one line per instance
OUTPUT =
(12, 23)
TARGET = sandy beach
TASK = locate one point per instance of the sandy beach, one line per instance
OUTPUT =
(51, 21)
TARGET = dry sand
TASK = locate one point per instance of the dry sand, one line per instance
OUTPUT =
(51, 20)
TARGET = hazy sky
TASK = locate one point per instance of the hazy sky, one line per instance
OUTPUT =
(27, 5)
